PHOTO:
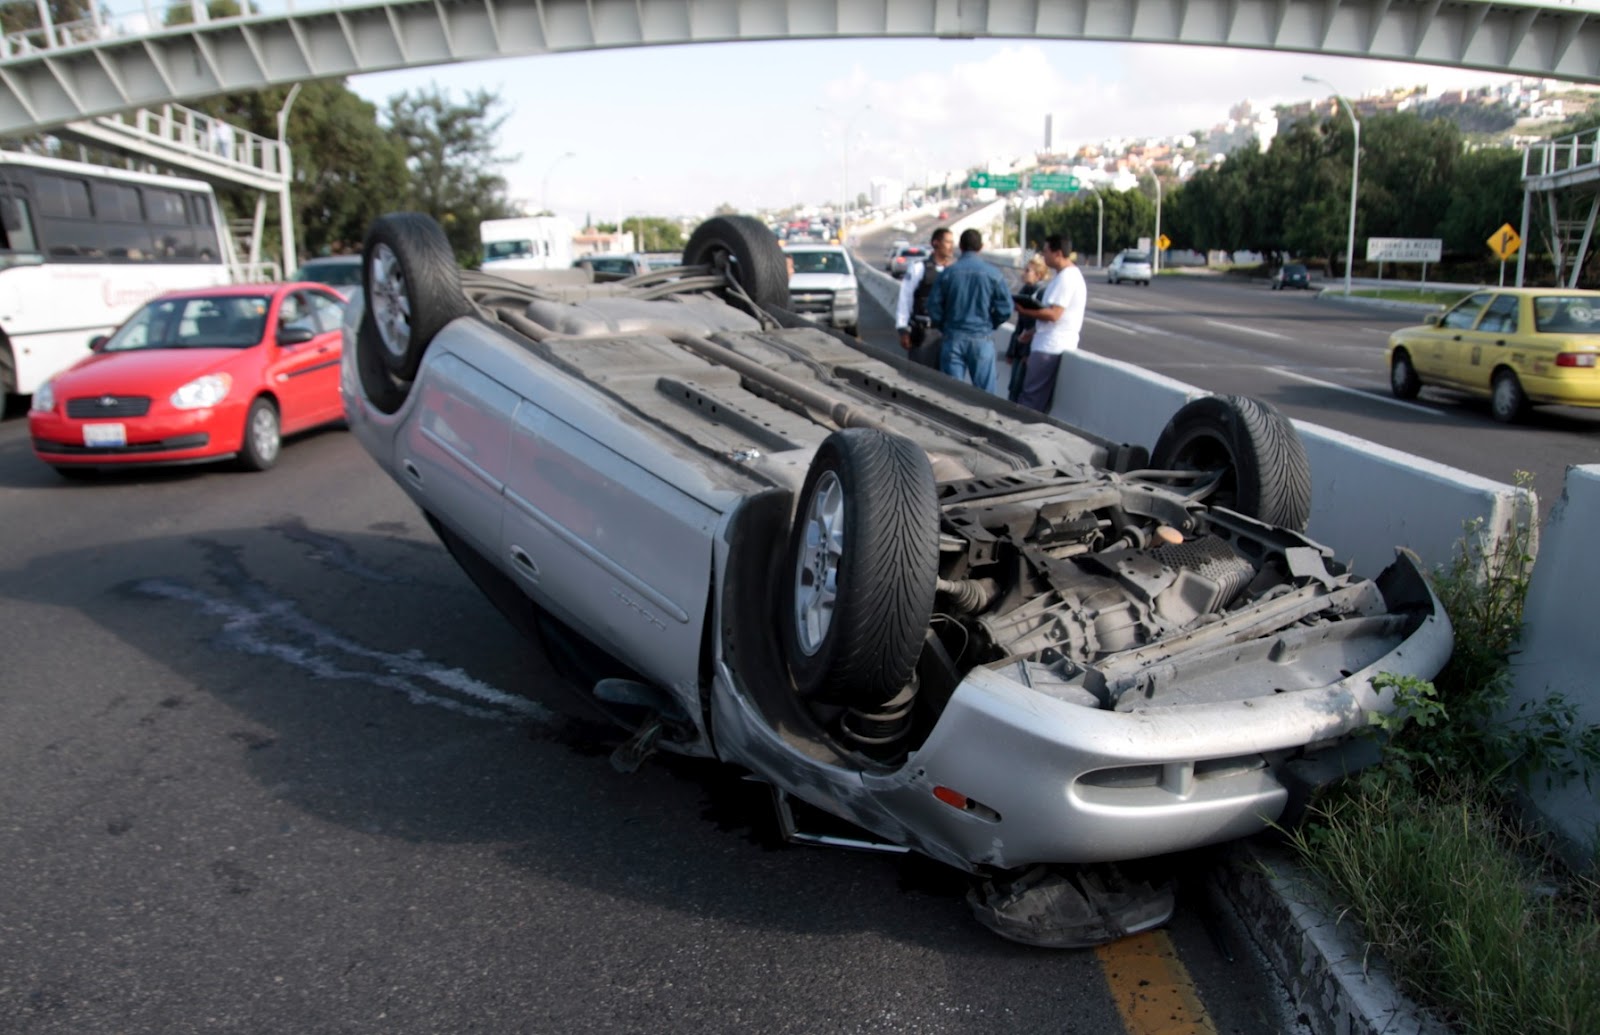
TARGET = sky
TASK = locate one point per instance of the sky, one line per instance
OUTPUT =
(678, 130)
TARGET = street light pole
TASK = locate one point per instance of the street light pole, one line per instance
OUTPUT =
(1100, 230)
(849, 126)
(544, 189)
(1155, 245)
(285, 205)
(1355, 172)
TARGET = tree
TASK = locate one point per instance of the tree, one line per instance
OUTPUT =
(450, 155)
(347, 170)
(67, 19)
(1485, 193)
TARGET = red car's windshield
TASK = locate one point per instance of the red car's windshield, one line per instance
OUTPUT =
(230, 321)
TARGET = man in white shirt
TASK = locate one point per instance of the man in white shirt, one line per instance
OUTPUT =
(1060, 319)
(911, 314)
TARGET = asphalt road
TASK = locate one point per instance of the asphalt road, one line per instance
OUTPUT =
(271, 764)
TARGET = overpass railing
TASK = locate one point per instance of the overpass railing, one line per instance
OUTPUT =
(29, 26)
(1576, 152)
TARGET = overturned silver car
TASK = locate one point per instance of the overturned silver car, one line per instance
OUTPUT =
(963, 627)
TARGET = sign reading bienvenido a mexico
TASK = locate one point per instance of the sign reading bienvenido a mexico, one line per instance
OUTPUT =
(1404, 249)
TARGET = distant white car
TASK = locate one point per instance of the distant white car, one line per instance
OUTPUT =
(1130, 265)
(823, 286)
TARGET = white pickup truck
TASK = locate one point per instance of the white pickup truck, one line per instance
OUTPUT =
(823, 286)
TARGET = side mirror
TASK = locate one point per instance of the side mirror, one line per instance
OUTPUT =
(1432, 319)
(295, 335)
(97, 342)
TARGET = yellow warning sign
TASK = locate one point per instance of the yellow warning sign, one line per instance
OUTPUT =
(1505, 242)
(1163, 242)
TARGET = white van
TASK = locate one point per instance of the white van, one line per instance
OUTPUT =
(530, 243)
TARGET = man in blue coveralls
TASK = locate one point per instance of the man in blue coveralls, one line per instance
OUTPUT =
(968, 301)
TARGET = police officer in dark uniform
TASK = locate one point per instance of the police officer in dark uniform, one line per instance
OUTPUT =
(917, 337)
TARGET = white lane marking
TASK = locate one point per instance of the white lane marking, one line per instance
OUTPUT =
(1385, 331)
(250, 630)
(1248, 330)
(1369, 396)
(1113, 325)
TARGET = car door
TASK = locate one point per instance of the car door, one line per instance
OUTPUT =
(607, 544)
(305, 370)
(1437, 354)
(1490, 342)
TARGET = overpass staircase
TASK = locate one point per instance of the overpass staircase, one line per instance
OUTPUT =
(1561, 185)
(204, 147)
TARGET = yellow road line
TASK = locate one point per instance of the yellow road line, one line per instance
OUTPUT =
(1152, 988)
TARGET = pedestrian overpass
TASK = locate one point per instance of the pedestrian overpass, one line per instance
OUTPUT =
(123, 56)
(128, 55)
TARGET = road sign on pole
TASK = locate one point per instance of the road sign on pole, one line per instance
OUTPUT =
(1163, 242)
(982, 180)
(1504, 242)
(1055, 181)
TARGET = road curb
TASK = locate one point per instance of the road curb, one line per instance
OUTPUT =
(1340, 987)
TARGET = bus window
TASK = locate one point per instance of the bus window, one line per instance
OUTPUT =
(117, 202)
(17, 224)
(62, 197)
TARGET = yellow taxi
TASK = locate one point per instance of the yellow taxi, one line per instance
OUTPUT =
(1517, 346)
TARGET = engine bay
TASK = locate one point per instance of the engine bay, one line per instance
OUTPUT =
(1090, 586)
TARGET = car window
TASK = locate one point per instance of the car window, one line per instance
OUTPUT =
(820, 262)
(1293, 268)
(1566, 314)
(1465, 314)
(327, 312)
(339, 274)
(610, 264)
(179, 323)
(1500, 316)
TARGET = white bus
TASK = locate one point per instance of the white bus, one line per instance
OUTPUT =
(82, 247)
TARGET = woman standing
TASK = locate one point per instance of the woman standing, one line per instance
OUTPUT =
(1033, 277)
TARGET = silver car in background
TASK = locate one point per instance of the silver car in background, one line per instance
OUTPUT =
(1130, 265)
(961, 627)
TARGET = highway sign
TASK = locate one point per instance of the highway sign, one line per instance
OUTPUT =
(1054, 181)
(982, 180)
(1404, 249)
(1163, 242)
(1505, 242)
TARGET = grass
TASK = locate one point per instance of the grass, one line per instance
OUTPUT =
(1432, 296)
(1425, 853)
(1455, 899)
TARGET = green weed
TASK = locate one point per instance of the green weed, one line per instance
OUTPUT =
(1421, 850)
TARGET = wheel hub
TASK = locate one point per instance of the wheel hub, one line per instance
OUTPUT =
(816, 584)
(391, 303)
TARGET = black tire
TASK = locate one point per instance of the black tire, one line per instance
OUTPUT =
(1508, 403)
(412, 287)
(1266, 473)
(1403, 379)
(746, 249)
(382, 389)
(263, 436)
(861, 650)
(852, 330)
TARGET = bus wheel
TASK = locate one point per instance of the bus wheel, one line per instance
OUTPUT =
(412, 287)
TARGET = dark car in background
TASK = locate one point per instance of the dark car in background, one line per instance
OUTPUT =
(1291, 275)
(340, 271)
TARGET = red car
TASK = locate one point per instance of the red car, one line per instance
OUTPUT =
(196, 376)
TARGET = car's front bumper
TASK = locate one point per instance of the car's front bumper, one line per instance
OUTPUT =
(171, 437)
(1049, 780)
